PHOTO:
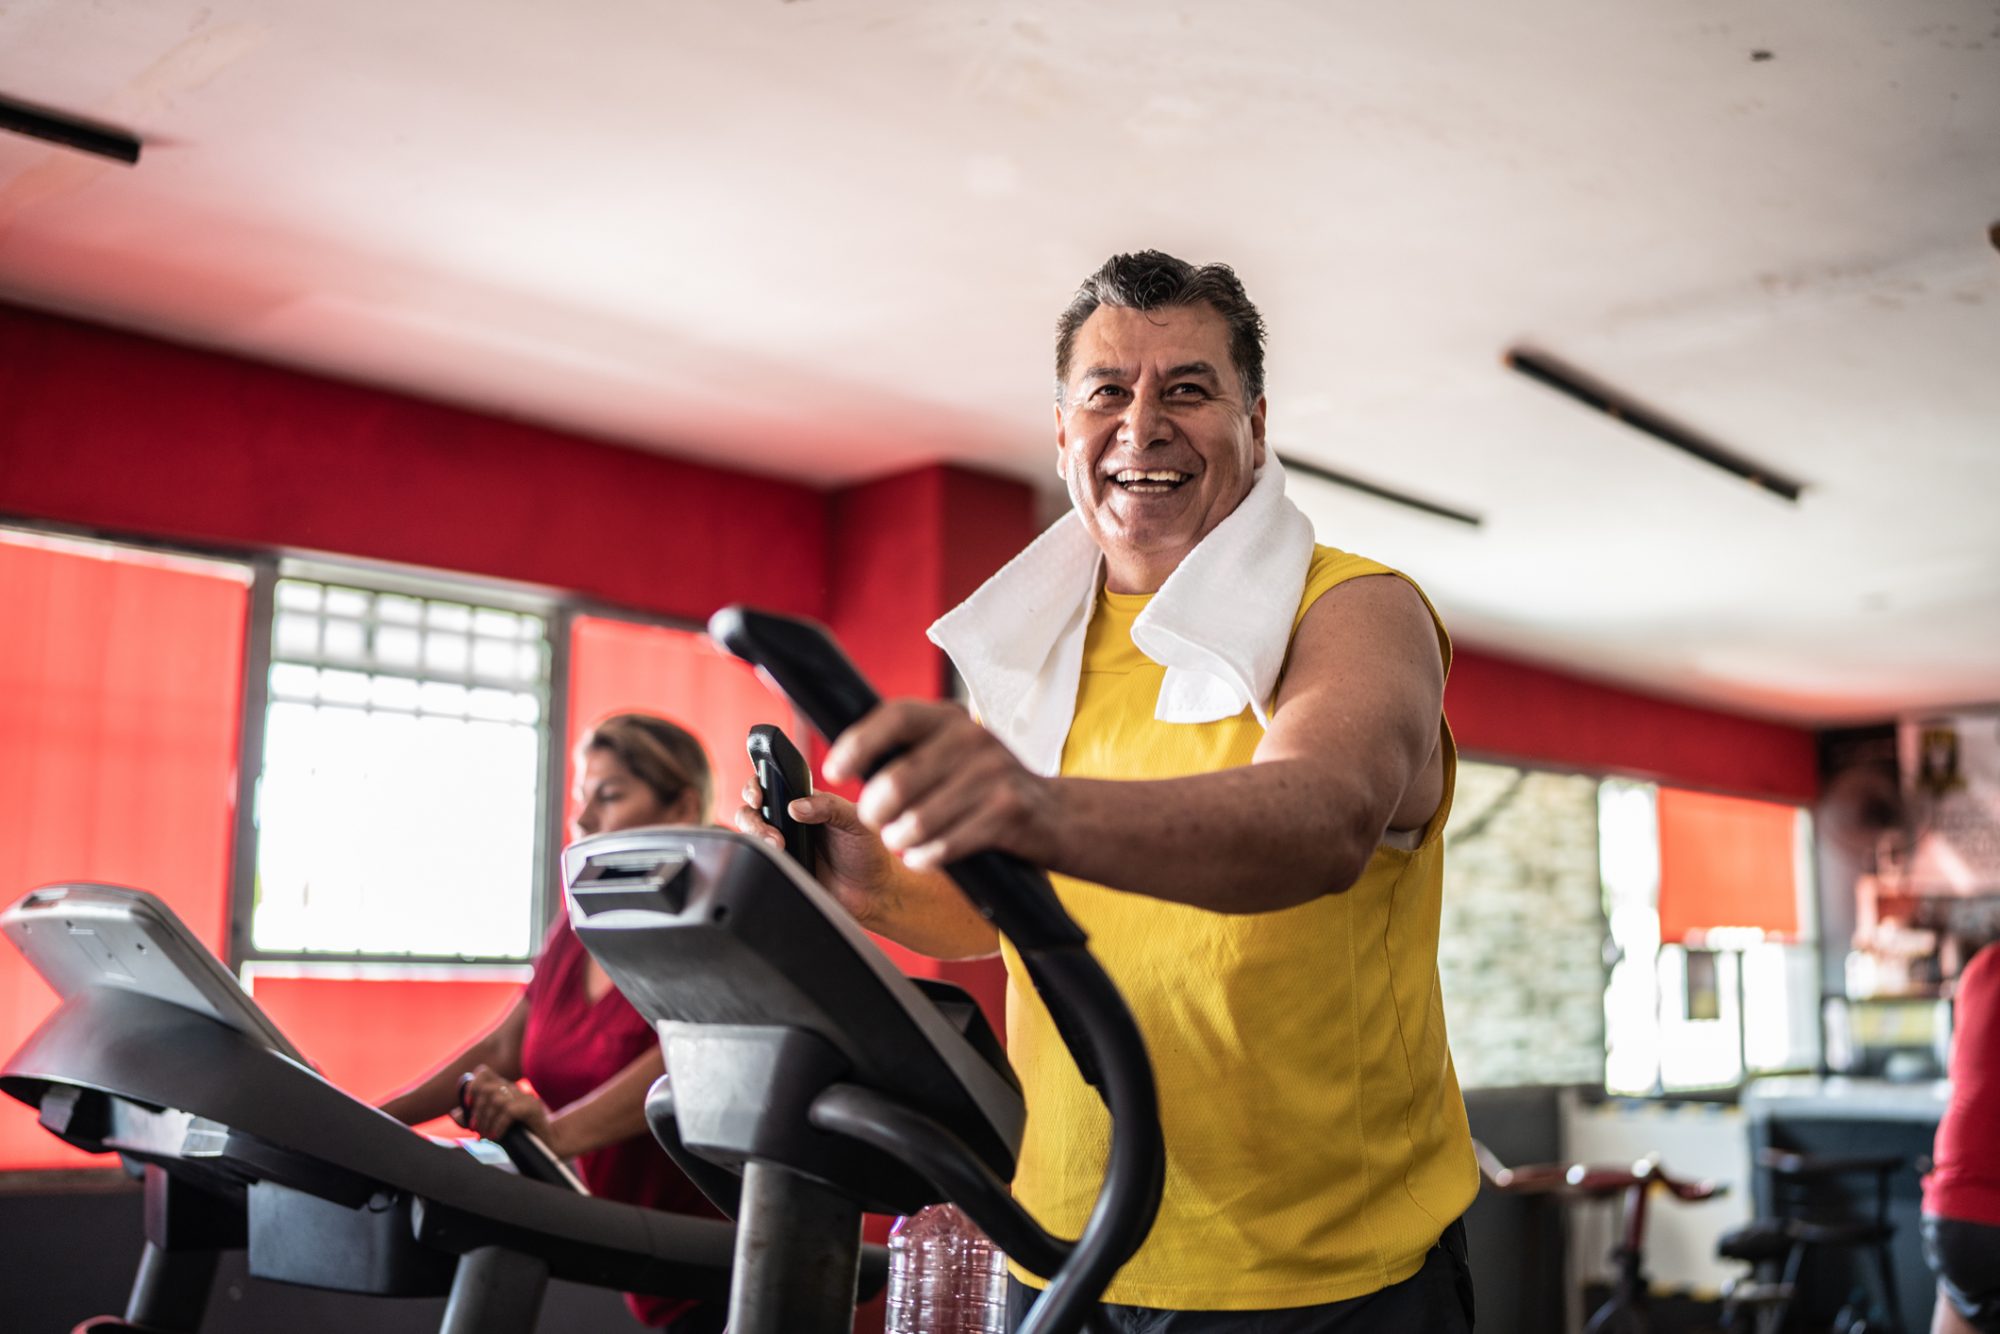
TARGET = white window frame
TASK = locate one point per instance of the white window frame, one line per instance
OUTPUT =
(247, 958)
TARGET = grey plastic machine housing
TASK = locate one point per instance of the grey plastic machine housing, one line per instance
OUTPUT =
(155, 1053)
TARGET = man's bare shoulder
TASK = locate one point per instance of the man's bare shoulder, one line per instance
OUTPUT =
(1368, 626)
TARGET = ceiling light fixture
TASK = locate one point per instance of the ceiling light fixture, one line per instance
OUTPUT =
(68, 131)
(1546, 370)
(1381, 492)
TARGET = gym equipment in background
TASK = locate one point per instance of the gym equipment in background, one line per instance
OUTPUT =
(156, 1054)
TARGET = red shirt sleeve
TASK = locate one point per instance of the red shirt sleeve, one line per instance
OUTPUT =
(1966, 1182)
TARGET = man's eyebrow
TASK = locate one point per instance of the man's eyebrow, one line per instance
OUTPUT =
(1186, 368)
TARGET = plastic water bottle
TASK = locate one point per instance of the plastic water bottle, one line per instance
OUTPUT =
(945, 1277)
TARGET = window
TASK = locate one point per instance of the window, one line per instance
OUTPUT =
(402, 782)
(1711, 906)
(1551, 953)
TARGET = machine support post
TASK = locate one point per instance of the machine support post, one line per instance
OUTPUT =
(798, 1252)
(496, 1291)
(186, 1231)
(170, 1291)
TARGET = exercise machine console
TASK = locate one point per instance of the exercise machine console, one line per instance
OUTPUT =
(155, 1053)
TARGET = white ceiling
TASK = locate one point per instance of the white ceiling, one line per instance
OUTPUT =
(827, 239)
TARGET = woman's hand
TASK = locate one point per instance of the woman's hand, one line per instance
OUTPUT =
(491, 1105)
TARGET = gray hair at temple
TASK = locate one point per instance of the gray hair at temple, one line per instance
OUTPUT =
(1154, 280)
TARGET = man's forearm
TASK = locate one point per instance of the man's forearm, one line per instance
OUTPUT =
(1252, 839)
(924, 911)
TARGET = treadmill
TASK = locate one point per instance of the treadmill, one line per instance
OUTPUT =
(157, 1054)
(807, 1079)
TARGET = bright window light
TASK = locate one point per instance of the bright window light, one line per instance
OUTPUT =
(400, 791)
(1711, 1010)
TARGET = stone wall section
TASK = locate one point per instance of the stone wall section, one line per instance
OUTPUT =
(1521, 955)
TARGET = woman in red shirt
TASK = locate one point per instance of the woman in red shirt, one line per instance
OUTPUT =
(586, 1051)
(1962, 1195)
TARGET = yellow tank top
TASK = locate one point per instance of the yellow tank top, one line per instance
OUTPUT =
(1316, 1139)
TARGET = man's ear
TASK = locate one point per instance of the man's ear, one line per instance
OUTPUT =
(1257, 431)
(1062, 440)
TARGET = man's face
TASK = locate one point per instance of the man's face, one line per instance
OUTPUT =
(1153, 436)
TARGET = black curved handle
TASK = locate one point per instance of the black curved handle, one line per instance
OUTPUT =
(804, 662)
(531, 1158)
(783, 777)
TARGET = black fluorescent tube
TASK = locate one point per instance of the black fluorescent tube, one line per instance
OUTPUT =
(1545, 369)
(1380, 492)
(68, 131)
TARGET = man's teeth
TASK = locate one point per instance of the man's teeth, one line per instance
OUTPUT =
(1149, 476)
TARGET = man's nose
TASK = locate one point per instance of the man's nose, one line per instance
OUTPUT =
(585, 822)
(1145, 420)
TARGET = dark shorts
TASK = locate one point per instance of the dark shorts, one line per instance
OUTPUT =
(1966, 1259)
(1437, 1299)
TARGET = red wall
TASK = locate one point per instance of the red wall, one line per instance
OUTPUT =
(906, 549)
(112, 430)
(120, 432)
(1508, 709)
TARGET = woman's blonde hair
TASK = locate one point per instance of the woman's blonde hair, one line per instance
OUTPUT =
(662, 755)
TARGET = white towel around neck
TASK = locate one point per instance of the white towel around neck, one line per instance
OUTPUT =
(1220, 624)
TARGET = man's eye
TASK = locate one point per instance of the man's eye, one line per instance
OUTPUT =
(1187, 391)
(1108, 391)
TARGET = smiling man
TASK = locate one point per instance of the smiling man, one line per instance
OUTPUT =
(1227, 745)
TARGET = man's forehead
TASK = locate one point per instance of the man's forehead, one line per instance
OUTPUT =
(1138, 340)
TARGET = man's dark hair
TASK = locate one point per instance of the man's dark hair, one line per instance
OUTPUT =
(1153, 280)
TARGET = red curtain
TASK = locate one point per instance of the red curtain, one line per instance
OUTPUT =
(371, 1036)
(121, 689)
(1726, 862)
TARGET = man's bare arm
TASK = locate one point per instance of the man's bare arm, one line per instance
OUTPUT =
(1352, 751)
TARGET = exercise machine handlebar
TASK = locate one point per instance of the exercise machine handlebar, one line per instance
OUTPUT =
(1090, 1015)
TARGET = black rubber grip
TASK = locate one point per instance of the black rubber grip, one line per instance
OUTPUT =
(802, 660)
(531, 1157)
(783, 778)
